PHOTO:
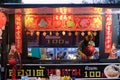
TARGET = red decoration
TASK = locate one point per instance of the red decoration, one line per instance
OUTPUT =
(18, 32)
(63, 22)
(3, 20)
(108, 31)
(89, 50)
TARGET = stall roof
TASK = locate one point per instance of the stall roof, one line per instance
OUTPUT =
(21, 5)
(13, 8)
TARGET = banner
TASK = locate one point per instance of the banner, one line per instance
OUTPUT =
(63, 22)
(18, 32)
(108, 31)
(68, 71)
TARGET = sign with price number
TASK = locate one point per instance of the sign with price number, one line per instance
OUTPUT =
(76, 71)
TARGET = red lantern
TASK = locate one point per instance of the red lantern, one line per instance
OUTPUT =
(2, 20)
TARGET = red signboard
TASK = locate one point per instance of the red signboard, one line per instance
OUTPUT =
(108, 31)
(18, 32)
(63, 22)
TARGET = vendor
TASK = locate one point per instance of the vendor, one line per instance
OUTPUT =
(86, 47)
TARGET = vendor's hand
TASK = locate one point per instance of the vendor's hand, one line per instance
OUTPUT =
(84, 57)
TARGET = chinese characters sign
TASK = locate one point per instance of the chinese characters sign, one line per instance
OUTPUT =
(18, 32)
(108, 31)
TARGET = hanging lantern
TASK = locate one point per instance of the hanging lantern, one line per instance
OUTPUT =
(69, 34)
(50, 33)
(31, 33)
(63, 33)
(76, 33)
(95, 33)
(3, 20)
(44, 33)
(89, 33)
(37, 33)
(82, 33)
(57, 33)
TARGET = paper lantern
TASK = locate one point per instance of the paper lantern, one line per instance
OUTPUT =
(2, 20)
(44, 33)
(69, 34)
(31, 33)
(63, 33)
(89, 33)
(76, 33)
(50, 33)
(37, 33)
(82, 33)
(94, 33)
(57, 33)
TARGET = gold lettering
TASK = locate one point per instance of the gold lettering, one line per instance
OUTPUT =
(39, 72)
(28, 72)
(41, 67)
(10, 72)
(18, 73)
(22, 72)
(33, 72)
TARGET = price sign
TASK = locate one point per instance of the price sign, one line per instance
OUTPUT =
(77, 71)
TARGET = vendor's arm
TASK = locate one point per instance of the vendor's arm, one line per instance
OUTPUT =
(80, 50)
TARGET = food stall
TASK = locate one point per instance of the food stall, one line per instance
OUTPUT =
(48, 39)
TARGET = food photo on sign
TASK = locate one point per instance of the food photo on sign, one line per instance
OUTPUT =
(112, 71)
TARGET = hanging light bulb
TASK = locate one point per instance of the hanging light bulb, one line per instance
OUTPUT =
(82, 33)
(89, 33)
(76, 33)
(95, 33)
(69, 34)
(50, 33)
(44, 33)
(37, 33)
(57, 33)
(31, 33)
(63, 33)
